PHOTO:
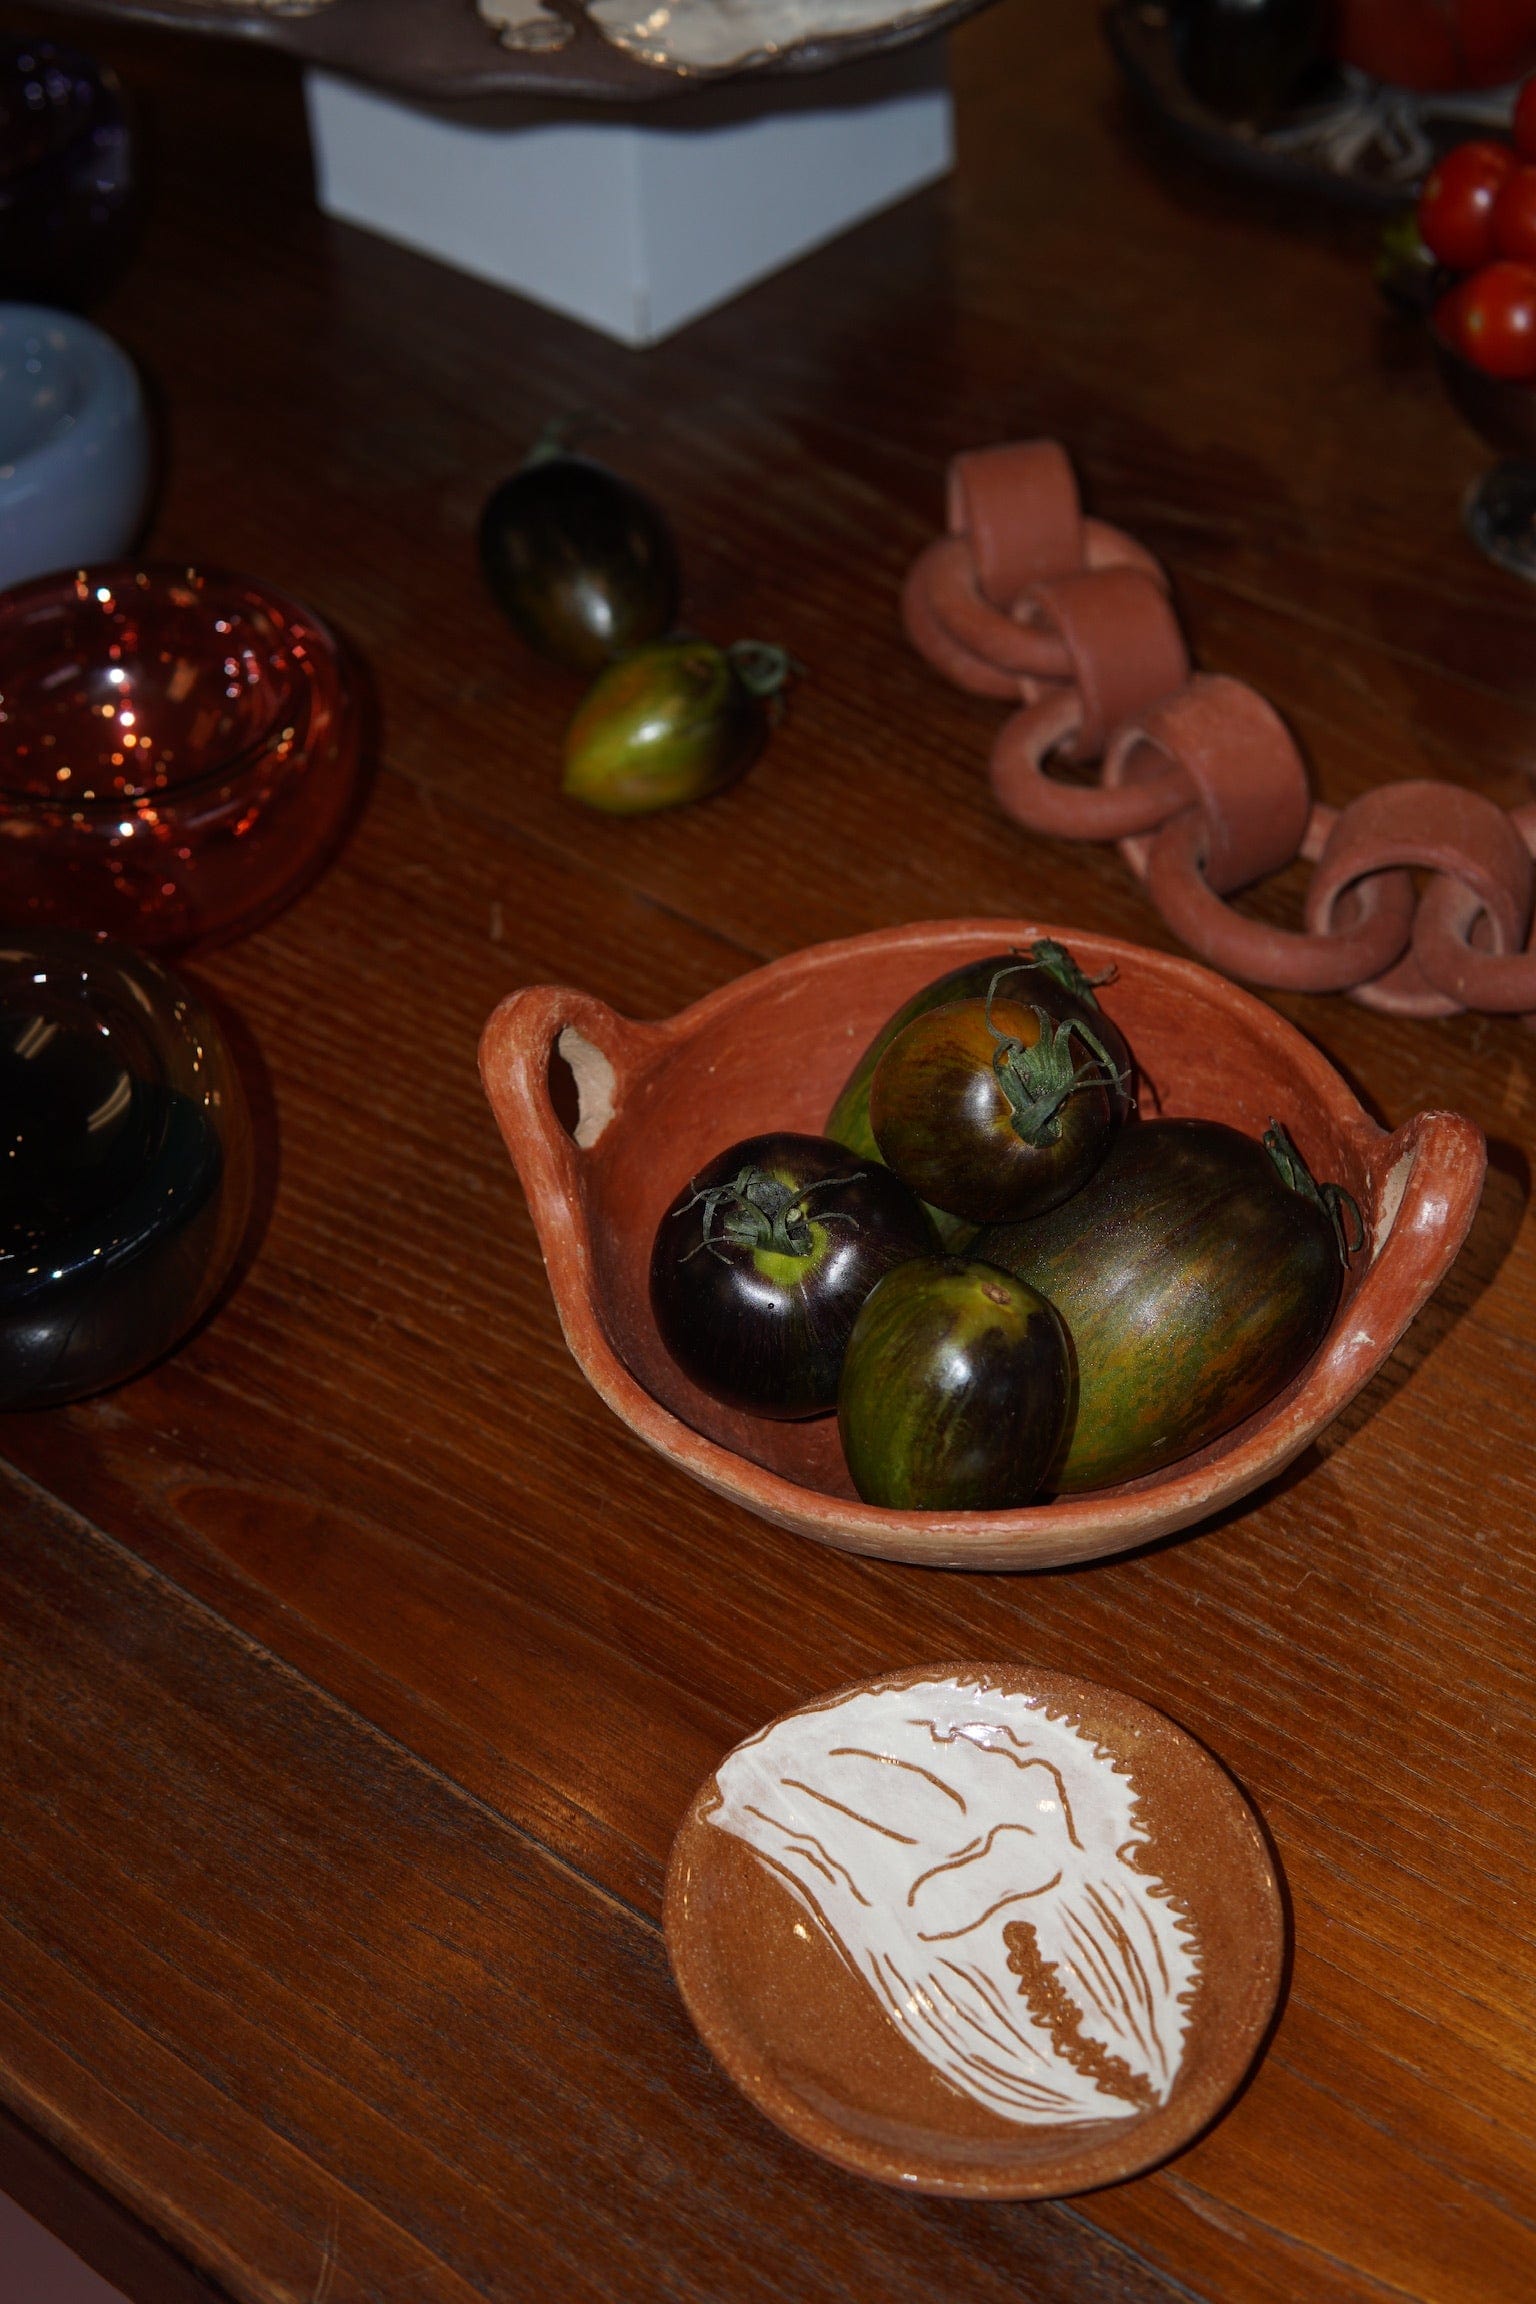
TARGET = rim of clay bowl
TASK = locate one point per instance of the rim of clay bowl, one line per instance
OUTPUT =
(770, 1998)
(1430, 1179)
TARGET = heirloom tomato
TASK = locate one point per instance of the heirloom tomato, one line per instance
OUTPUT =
(994, 1108)
(1197, 1272)
(581, 563)
(1047, 976)
(761, 1265)
(955, 1389)
(669, 723)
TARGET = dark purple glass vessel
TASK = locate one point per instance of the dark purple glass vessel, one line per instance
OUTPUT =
(68, 187)
(125, 1164)
(1500, 510)
(178, 753)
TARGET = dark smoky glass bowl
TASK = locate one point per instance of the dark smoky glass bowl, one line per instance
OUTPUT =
(1500, 509)
(125, 1164)
(69, 198)
(178, 753)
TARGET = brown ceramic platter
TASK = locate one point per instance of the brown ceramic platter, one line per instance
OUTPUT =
(979, 1930)
(1292, 156)
(442, 50)
(773, 1049)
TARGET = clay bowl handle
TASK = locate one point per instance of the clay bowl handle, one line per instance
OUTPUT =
(1433, 1168)
(606, 1053)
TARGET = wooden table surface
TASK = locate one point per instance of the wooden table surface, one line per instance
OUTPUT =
(359, 1666)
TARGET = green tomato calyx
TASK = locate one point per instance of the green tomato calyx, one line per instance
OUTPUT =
(761, 668)
(761, 1212)
(1059, 964)
(558, 436)
(1037, 1081)
(1336, 1203)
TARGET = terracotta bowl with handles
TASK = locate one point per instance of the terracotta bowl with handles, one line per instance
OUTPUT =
(773, 1049)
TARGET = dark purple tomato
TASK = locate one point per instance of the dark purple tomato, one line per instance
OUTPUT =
(993, 1109)
(579, 560)
(1197, 1272)
(761, 1265)
(955, 1389)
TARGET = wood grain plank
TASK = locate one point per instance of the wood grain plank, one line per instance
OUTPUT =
(389, 2045)
(378, 1461)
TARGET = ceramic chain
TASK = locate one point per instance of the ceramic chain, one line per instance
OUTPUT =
(1199, 781)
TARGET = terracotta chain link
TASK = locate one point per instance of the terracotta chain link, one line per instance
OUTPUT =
(1199, 780)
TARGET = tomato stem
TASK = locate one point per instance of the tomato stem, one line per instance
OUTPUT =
(559, 434)
(1059, 964)
(1037, 1081)
(1333, 1199)
(756, 1210)
(761, 667)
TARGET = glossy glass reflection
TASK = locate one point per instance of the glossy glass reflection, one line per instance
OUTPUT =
(68, 197)
(177, 753)
(125, 1164)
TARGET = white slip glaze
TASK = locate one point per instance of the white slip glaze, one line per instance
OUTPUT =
(974, 1861)
(714, 35)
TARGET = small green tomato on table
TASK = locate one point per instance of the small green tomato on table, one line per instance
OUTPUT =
(672, 722)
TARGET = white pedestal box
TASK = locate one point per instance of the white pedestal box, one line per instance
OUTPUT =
(636, 220)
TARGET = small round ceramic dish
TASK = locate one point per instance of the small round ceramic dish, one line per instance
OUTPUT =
(977, 1929)
(178, 753)
(773, 1049)
(74, 444)
(125, 1164)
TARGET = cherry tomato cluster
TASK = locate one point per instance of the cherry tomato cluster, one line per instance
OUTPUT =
(1001, 1285)
(1477, 217)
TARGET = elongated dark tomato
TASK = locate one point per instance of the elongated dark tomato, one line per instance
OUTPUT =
(1194, 1283)
(992, 1110)
(582, 563)
(1042, 975)
(955, 1389)
(761, 1265)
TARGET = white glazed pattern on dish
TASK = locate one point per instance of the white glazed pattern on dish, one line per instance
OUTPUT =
(974, 1861)
(718, 35)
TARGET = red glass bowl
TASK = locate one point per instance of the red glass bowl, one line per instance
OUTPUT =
(178, 753)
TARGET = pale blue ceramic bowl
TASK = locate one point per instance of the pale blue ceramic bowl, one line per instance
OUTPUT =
(74, 444)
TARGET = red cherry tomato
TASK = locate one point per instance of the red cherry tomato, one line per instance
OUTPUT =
(1490, 320)
(1514, 214)
(1523, 127)
(1437, 43)
(1456, 204)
